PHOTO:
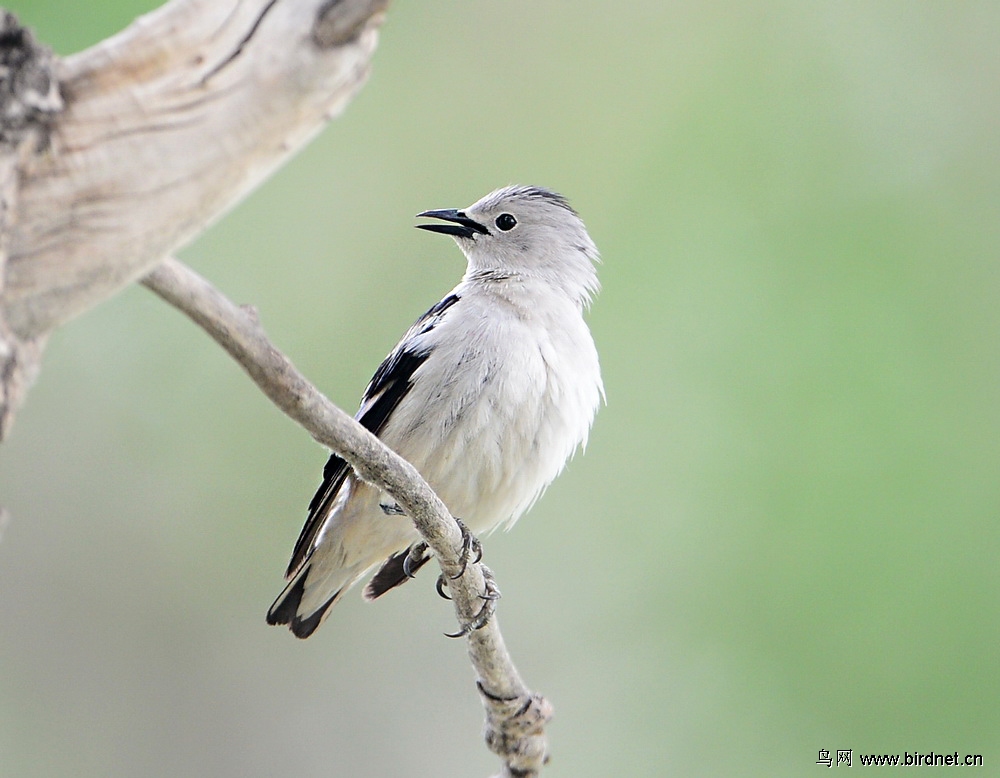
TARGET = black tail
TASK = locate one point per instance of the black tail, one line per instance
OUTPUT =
(285, 609)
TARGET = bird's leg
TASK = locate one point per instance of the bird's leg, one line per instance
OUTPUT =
(489, 597)
(470, 546)
(414, 558)
(472, 551)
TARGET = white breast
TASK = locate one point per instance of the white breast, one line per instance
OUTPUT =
(506, 396)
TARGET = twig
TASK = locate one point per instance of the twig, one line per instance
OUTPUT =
(515, 716)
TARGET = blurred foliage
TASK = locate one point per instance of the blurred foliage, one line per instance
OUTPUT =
(784, 534)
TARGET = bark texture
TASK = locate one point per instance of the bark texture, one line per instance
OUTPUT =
(113, 158)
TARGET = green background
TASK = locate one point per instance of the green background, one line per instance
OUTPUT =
(784, 534)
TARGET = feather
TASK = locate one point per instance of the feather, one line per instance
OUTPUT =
(391, 382)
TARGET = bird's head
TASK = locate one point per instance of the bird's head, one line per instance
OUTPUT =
(524, 232)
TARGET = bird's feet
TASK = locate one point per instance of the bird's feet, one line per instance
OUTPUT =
(490, 596)
(442, 587)
(470, 546)
(415, 557)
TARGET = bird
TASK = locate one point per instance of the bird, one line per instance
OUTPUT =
(488, 395)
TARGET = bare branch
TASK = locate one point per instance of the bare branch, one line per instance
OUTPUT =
(149, 137)
(515, 717)
(29, 104)
(113, 158)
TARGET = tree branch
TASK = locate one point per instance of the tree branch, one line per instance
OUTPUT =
(515, 716)
(29, 104)
(113, 158)
(132, 147)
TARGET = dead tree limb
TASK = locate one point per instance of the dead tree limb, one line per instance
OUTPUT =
(113, 158)
(29, 104)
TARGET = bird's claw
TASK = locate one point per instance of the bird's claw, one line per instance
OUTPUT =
(414, 558)
(490, 596)
(470, 546)
(441, 586)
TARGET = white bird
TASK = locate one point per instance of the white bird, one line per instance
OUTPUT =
(488, 395)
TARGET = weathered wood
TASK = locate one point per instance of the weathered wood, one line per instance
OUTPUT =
(162, 128)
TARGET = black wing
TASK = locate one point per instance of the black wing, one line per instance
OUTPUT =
(387, 388)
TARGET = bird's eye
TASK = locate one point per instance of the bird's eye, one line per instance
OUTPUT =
(505, 222)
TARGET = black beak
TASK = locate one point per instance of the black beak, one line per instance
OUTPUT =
(461, 225)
